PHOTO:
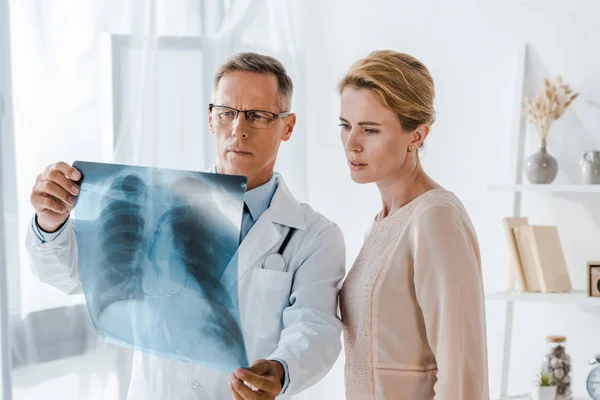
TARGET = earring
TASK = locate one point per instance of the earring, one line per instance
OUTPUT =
(412, 148)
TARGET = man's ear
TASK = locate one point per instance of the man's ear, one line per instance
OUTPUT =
(290, 122)
(210, 123)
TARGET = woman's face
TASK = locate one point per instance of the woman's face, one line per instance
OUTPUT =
(375, 144)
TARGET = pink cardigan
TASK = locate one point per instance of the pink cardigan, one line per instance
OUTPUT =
(413, 307)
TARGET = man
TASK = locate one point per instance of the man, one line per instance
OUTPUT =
(289, 319)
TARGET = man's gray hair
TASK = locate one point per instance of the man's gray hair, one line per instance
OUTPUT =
(260, 64)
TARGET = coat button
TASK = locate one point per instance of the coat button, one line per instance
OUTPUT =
(196, 385)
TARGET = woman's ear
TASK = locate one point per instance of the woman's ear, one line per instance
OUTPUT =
(418, 136)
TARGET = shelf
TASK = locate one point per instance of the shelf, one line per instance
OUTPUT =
(550, 188)
(529, 397)
(574, 297)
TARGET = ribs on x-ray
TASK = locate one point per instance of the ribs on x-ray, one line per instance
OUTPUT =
(156, 252)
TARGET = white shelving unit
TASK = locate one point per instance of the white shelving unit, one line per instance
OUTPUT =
(552, 188)
(578, 297)
(530, 397)
(518, 189)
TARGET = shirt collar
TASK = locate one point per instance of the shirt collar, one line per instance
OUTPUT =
(259, 198)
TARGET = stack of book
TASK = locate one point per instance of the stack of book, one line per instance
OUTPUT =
(536, 256)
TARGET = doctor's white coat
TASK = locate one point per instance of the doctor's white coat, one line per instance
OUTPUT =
(285, 315)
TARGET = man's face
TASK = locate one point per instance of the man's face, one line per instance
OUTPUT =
(241, 148)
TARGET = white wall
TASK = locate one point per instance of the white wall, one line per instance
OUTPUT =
(470, 48)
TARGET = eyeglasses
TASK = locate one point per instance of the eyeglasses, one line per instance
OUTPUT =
(256, 118)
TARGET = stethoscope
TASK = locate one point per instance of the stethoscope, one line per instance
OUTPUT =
(275, 261)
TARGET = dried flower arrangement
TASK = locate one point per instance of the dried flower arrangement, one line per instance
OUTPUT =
(550, 103)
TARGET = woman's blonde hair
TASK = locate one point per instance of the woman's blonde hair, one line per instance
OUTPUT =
(402, 82)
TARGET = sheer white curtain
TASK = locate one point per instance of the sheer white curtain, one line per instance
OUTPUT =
(7, 198)
(155, 111)
(113, 81)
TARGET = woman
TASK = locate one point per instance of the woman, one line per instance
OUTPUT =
(412, 304)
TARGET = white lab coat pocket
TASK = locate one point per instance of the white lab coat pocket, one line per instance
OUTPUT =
(268, 296)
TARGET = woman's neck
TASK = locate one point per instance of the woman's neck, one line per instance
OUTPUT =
(403, 186)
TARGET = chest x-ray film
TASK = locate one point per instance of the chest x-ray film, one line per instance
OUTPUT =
(156, 256)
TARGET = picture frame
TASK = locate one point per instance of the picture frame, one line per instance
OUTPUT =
(593, 278)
